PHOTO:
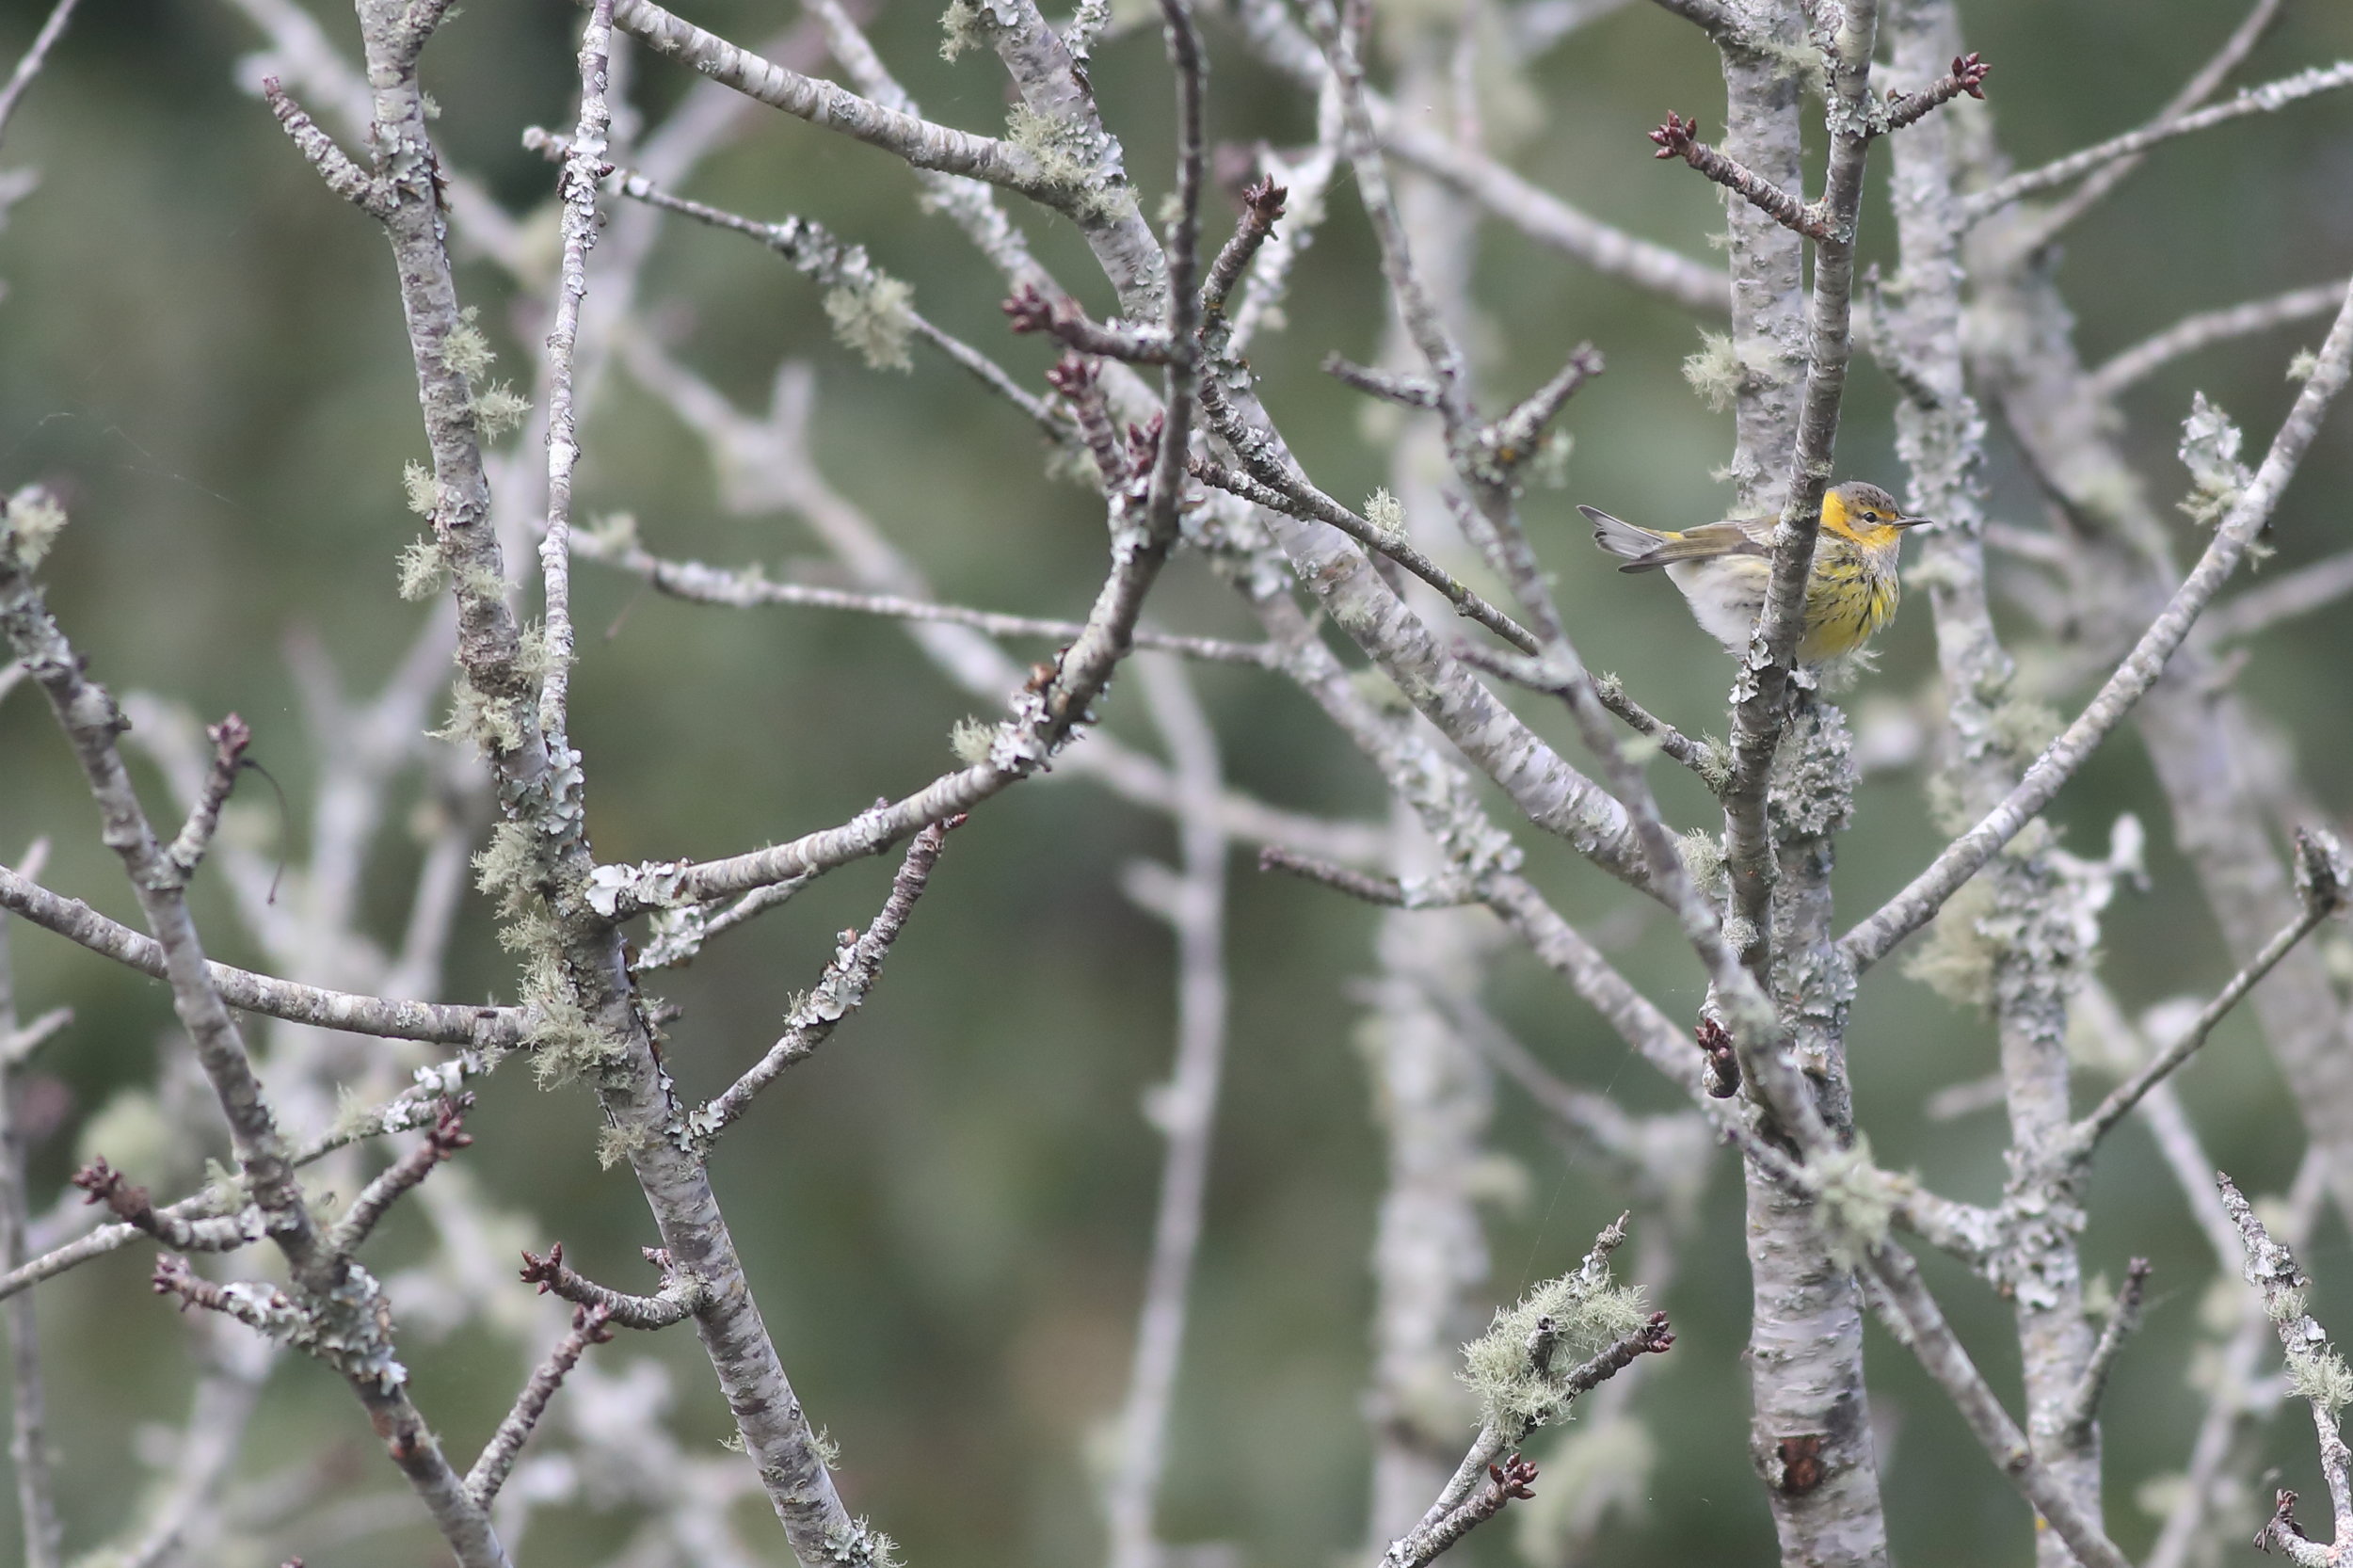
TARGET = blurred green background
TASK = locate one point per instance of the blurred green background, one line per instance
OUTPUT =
(945, 1215)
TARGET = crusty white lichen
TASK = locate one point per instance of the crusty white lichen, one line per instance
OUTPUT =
(2209, 449)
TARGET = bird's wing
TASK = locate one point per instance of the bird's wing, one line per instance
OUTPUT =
(1645, 550)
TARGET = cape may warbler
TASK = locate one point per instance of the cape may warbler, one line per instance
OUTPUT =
(1724, 567)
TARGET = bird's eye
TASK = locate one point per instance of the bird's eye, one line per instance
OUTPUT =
(1870, 515)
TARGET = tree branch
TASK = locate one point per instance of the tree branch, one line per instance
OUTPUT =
(1907, 911)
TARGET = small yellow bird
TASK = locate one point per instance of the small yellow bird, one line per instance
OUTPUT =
(1724, 569)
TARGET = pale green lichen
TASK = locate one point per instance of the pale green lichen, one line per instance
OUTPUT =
(1716, 372)
(963, 25)
(1515, 1393)
(2284, 1306)
(875, 318)
(613, 533)
(489, 722)
(2322, 1378)
(498, 410)
(1702, 856)
(1715, 761)
(422, 570)
(616, 1143)
(970, 739)
(30, 525)
(466, 350)
(1385, 513)
(2303, 365)
(2022, 727)
(1068, 159)
(1853, 1200)
(829, 1452)
(424, 491)
(1957, 958)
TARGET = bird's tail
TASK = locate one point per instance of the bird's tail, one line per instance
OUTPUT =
(1622, 538)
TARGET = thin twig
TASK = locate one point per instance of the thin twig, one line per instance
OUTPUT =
(2086, 1133)
(440, 1023)
(814, 250)
(2280, 599)
(1678, 138)
(681, 1295)
(1303, 500)
(34, 58)
(2037, 229)
(2207, 327)
(440, 1142)
(699, 584)
(839, 992)
(2270, 1268)
(583, 166)
(2075, 1421)
(490, 1469)
(2267, 98)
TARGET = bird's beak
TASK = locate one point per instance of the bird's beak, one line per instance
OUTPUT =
(1915, 522)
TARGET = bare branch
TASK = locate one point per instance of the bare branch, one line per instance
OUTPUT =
(1911, 1315)
(583, 166)
(440, 1142)
(682, 1297)
(2038, 229)
(1678, 138)
(1184, 1109)
(35, 56)
(1297, 498)
(2086, 1133)
(2207, 327)
(29, 1429)
(2124, 1317)
(1386, 891)
(699, 584)
(2267, 98)
(1402, 388)
(815, 252)
(344, 176)
(1871, 939)
(2284, 597)
(838, 993)
(919, 141)
(499, 1454)
(442, 1023)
